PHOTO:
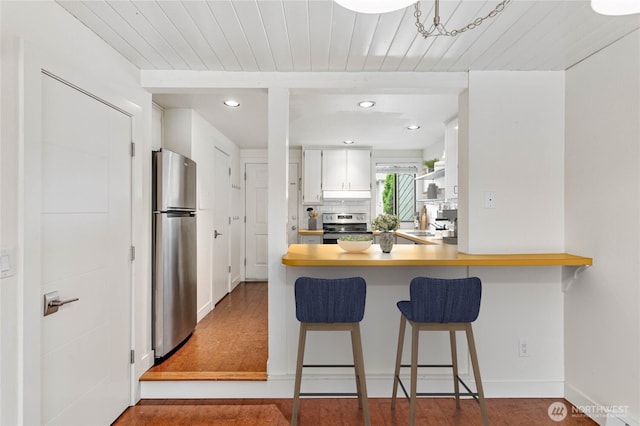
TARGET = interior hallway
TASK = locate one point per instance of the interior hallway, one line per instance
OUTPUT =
(230, 343)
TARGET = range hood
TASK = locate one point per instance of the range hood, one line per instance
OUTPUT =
(346, 195)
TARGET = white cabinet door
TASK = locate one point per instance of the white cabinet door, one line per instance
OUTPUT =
(334, 168)
(451, 164)
(358, 170)
(312, 178)
(346, 170)
(310, 239)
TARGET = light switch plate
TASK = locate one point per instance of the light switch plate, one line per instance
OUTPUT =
(7, 260)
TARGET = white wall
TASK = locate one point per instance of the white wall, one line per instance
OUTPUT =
(515, 149)
(602, 185)
(51, 38)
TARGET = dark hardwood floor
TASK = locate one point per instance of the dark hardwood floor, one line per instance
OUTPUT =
(231, 344)
(345, 412)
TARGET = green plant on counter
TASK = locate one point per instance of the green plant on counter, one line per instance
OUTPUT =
(355, 238)
(386, 222)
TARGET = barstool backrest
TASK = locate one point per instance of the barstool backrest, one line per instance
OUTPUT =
(445, 300)
(330, 300)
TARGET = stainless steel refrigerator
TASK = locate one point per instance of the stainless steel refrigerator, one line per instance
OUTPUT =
(174, 274)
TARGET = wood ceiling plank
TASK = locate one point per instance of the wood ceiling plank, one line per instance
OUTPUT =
(406, 34)
(320, 28)
(297, 19)
(131, 45)
(341, 35)
(168, 31)
(537, 13)
(386, 31)
(228, 21)
(443, 48)
(363, 33)
(275, 28)
(542, 39)
(189, 30)
(488, 35)
(207, 23)
(250, 20)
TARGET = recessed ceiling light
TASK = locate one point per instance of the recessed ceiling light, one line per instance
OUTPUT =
(366, 104)
(231, 103)
(348, 142)
(413, 127)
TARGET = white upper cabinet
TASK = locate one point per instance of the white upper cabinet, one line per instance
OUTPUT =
(346, 170)
(312, 176)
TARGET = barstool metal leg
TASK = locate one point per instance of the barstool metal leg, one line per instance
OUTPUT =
(476, 373)
(298, 380)
(396, 373)
(415, 333)
(454, 364)
(358, 362)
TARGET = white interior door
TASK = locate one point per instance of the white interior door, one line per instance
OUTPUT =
(222, 226)
(85, 241)
(294, 191)
(256, 243)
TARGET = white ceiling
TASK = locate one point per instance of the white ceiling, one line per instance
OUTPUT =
(320, 36)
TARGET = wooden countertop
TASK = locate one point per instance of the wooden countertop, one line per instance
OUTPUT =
(309, 232)
(419, 255)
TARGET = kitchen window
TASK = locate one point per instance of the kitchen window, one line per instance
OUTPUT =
(395, 190)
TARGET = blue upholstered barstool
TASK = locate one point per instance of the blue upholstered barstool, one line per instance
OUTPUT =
(331, 304)
(444, 305)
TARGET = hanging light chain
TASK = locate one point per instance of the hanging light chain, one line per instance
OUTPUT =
(437, 28)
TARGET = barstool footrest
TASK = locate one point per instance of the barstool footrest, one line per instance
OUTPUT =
(329, 394)
(329, 365)
(469, 392)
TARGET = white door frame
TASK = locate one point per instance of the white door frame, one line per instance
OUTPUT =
(29, 202)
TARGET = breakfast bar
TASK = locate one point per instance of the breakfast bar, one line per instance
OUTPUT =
(506, 317)
(419, 255)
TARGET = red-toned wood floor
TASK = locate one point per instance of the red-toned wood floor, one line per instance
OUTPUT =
(231, 343)
(345, 412)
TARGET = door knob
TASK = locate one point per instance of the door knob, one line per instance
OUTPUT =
(52, 302)
(216, 233)
(293, 228)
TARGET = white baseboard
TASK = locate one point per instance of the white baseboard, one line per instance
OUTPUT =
(203, 311)
(377, 387)
(603, 415)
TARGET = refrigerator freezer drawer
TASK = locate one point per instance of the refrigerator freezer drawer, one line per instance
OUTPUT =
(175, 281)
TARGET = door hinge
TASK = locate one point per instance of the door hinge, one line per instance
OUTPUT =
(245, 261)
(133, 253)
(133, 149)
(229, 268)
(229, 220)
(229, 171)
(133, 356)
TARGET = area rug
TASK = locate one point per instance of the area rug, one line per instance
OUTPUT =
(193, 415)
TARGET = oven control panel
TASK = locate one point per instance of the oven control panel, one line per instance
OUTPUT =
(344, 218)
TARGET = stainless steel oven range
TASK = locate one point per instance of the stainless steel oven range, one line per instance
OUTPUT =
(336, 225)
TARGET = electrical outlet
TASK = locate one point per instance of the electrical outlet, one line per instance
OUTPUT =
(523, 347)
(489, 200)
